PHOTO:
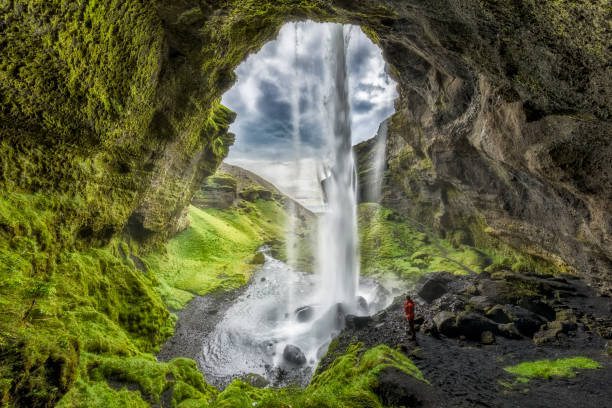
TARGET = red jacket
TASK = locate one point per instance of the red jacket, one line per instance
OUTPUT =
(409, 310)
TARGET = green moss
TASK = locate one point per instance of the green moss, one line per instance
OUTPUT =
(215, 252)
(546, 369)
(348, 382)
(396, 245)
(143, 376)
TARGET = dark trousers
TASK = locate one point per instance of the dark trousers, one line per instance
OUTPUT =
(411, 324)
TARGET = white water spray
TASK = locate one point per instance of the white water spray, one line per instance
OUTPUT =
(283, 308)
(338, 255)
(380, 150)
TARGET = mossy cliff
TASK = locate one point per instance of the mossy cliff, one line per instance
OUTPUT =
(110, 119)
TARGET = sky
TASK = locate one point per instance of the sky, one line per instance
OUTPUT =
(290, 72)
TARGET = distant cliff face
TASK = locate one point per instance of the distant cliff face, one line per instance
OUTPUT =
(114, 106)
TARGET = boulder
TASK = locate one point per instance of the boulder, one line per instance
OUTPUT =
(496, 290)
(255, 380)
(525, 321)
(304, 313)
(395, 388)
(499, 314)
(429, 328)
(538, 307)
(432, 285)
(472, 325)
(294, 355)
(446, 323)
(357, 322)
(258, 259)
(481, 303)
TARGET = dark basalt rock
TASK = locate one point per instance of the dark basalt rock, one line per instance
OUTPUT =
(397, 389)
(526, 322)
(445, 323)
(255, 380)
(431, 286)
(473, 325)
(294, 355)
(499, 314)
(481, 303)
(357, 322)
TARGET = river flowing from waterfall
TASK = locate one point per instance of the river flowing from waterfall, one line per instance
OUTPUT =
(283, 323)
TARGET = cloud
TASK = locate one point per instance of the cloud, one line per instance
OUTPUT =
(289, 74)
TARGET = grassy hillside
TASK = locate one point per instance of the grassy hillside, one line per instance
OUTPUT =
(216, 251)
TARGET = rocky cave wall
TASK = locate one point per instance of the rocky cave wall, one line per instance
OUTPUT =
(112, 110)
(110, 118)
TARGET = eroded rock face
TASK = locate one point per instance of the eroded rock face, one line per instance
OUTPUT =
(502, 131)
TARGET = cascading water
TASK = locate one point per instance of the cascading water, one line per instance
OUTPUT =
(286, 318)
(338, 254)
(380, 149)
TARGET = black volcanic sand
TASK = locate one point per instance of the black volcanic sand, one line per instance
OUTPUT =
(468, 374)
(463, 373)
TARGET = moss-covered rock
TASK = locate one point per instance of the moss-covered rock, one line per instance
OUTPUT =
(110, 118)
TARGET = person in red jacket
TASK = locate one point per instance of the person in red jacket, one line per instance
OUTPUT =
(409, 312)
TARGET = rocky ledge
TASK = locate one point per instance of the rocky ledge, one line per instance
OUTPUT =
(472, 327)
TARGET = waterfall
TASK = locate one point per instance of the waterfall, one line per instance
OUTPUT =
(338, 253)
(292, 221)
(380, 149)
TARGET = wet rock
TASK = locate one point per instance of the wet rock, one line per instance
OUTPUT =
(450, 302)
(357, 322)
(304, 313)
(397, 389)
(294, 355)
(472, 325)
(255, 380)
(432, 285)
(445, 323)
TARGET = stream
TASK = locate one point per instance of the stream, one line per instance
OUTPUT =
(253, 334)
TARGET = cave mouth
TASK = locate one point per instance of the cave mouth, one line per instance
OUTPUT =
(280, 101)
(302, 103)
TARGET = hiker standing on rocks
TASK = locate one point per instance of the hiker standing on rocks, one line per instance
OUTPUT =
(409, 312)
